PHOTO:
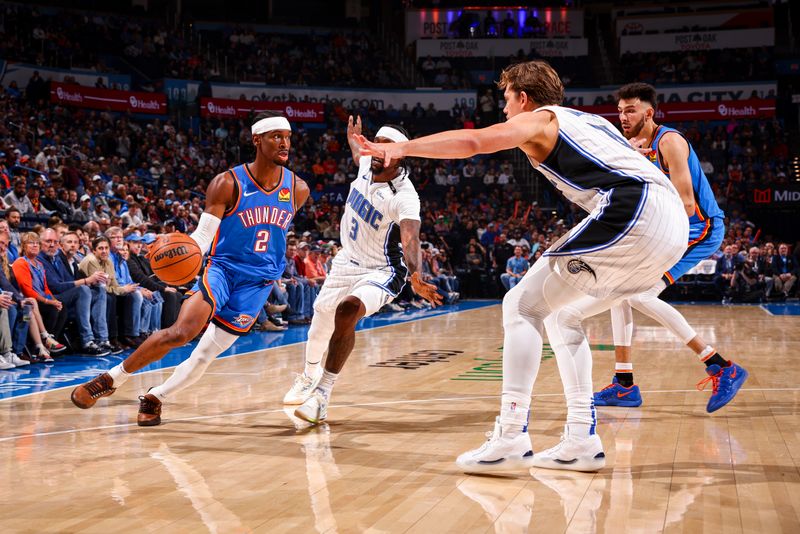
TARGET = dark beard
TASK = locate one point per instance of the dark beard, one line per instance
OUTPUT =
(635, 130)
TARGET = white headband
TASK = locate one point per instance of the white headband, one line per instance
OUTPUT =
(391, 133)
(269, 124)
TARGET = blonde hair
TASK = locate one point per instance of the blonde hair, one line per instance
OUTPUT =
(537, 79)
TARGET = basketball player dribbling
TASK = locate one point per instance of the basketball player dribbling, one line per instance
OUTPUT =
(248, 211)
(635, 231)
(669, 150)
(380, 253)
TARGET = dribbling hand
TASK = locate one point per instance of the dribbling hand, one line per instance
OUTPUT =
(425, 290)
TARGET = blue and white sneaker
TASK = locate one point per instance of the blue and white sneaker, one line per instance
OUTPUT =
(573, 454)
(616, 394)
(498, 453)
(725, 381)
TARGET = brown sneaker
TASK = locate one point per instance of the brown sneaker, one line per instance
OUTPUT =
(149, 411)
(85, 395)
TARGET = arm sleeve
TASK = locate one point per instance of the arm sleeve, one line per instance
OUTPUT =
(205, 232)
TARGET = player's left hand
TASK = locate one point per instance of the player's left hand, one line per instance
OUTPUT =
(425, 290)
(388, 152)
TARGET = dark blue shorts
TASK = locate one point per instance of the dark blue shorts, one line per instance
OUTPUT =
(237, 300)
(704, 240)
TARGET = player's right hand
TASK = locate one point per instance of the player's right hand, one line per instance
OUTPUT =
(425, 290)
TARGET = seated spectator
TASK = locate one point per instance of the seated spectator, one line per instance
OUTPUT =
(516, 267)
(784, 271)
(18, 197)
(300, 293)
(76, 294)
(150, 319)
(100, 260)
(20, 327)
(133, 302)
(142, 274)
(314, 270)
(31, 279)
(724, 273)
(748, 281)
(70, 257)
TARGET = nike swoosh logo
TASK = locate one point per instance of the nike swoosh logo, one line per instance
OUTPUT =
(250, 193)
(620, 395)
(733, 373)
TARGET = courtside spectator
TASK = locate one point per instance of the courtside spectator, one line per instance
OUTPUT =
(31, 279)
(100, 260)
(74, 293)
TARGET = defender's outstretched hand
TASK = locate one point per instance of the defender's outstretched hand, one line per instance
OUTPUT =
(388, 152)
(425, 290)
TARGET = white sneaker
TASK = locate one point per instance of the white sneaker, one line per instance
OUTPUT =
(499, 453)
(573, 454)
(302, 388)
(314, 409)
(5, 363)
(16, 360)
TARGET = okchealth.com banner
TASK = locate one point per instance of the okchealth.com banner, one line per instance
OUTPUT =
(229, 108)
(107, 99)
(698, 111)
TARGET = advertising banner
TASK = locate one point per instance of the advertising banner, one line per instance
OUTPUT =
(106, 99)
(746, 18)
(679, 93)
(704, 40)
(787, 196)
(294, 111)
(501, 47)
(698, 111)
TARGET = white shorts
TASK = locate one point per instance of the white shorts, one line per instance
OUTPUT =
(367, 285)
(594, 259)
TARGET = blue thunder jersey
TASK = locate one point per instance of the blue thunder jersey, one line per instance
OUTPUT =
(706, 206)
(251, 239)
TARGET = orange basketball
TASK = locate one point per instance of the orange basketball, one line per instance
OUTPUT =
(175, 259)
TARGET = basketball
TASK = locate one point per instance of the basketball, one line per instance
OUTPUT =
(175, 259)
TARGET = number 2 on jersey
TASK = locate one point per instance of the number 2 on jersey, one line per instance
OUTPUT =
(262, 240)
(353, 228)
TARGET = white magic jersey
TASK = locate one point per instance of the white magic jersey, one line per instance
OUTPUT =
(370, 226)
(636, 228)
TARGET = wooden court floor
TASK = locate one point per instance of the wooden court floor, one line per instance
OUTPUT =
(229, 459)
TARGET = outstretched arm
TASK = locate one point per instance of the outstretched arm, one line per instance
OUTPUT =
(409, 235)
(458, 144)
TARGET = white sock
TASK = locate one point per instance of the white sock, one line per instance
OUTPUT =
(326, 383)
(623, 367)
(119, 375)
(514, 411)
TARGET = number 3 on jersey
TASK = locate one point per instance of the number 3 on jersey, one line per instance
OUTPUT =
(353, 228)
(262, 240)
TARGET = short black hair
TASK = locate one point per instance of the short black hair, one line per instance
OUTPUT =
(266, 115)
(99, 239)
(643, 91)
